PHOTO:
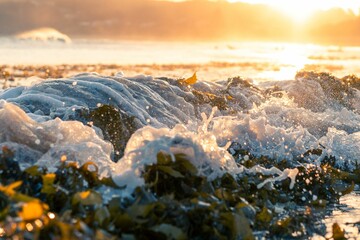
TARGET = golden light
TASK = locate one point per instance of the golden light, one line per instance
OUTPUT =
(301, 10)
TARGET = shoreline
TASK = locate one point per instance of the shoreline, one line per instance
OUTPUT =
(16, 75)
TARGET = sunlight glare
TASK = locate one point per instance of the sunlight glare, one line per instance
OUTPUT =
(300, 11)
(291, 58)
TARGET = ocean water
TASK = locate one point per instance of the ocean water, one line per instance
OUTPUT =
(276, 112)
(260, 61)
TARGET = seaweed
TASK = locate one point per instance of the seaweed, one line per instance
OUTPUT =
(334, 88)
(212, 99)
(175, 202)
(116, 125)
(351, 81)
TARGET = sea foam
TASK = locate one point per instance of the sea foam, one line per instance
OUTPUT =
(41, 123)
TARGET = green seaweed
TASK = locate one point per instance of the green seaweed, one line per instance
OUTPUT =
(174, 203)
(116, 125)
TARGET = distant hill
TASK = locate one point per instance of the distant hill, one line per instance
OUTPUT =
(159, 20)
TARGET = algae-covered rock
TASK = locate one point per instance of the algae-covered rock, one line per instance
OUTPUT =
(116, 125)
(331, 90)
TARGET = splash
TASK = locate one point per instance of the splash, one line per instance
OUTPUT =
(45, 121)
(46, 144)
(44, 35)
(199, 147)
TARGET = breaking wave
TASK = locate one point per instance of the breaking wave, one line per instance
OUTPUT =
(44, 35)
(122, 123)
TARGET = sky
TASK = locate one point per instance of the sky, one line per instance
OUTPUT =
(193, 20)
(299, 10)
(310, 4)
(318, 4)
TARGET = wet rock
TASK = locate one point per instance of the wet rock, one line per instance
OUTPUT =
(335, 91)
(117, 126)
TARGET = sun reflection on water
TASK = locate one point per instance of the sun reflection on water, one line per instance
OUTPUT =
(347, 215)
(260, 61)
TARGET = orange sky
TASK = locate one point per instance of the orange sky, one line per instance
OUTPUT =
(300, 10)
(193, 20)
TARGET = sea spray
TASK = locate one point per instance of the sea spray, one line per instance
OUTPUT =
(200, 148)
(278, 126)
(45, 143)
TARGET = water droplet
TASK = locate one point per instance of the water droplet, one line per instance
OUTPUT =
(51, 215)
(63, 158)
(60, 136)
(38, 223)
(29, 227)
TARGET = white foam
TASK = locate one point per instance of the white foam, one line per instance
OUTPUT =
(343, 146)
(54, 97)
(44, 34)
(50, 140)
(287, 173)
(170, 121)
(200, 148)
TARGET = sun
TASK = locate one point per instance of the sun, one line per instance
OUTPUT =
(300, 10)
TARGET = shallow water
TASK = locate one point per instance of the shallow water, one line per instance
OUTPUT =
(347, 215)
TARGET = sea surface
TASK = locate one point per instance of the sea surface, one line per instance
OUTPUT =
(277, 108)
(260, 61)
